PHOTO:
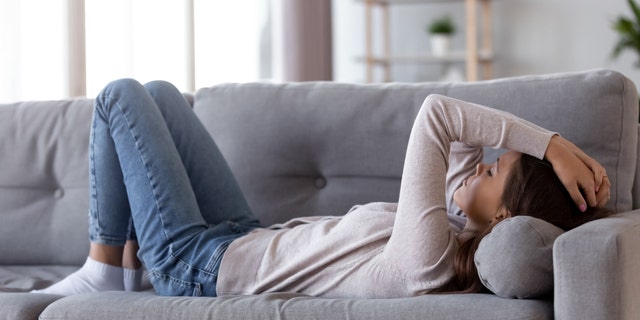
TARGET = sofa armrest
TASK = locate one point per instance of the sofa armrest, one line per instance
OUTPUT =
(596, 269)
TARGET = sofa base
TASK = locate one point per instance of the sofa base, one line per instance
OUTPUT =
(146, 305)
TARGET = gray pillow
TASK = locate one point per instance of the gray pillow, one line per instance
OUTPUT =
(515, 260)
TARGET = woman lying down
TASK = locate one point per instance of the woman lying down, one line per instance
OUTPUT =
(155, 169)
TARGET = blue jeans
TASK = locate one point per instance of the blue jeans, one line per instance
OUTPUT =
(155, 169)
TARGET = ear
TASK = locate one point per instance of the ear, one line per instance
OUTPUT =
(500, 215)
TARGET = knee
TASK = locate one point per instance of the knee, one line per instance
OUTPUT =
(160, 87)
(121, 85)
(119, 88)
(116, 91)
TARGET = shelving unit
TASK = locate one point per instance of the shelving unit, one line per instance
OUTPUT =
(476, 56)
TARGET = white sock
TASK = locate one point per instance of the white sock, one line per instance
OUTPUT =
(133, 279)
(92, 277)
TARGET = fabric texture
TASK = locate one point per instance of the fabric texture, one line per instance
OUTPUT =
(515, 260)
(597, 262)
(294, 306)
(24, 306)
(43, 182)
(408, 249)
(293, 135)
(24, 278)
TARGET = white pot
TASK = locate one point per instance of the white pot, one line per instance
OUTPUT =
(440, 44)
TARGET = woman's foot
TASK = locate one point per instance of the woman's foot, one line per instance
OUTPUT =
(133, 279)
(94, 276)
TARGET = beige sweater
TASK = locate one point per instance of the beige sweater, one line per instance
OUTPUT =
(384, 250)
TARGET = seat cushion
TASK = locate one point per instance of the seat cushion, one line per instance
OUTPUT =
(27, 278)
(120, 305)
(24, 306)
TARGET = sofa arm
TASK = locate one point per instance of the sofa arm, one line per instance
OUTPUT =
(596, 269)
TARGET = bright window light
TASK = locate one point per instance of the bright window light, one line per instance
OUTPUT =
(33, 50)
(141, 39)
(232, 41)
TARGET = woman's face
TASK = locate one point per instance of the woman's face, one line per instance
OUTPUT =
(480, 195)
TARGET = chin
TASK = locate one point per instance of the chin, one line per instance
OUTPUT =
(457, 198)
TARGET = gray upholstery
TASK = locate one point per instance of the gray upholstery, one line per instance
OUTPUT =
(319, 148)
(315, 148)
(294, 306)
(596, 269)
(44, 183)
(24, 306)
(516, 259)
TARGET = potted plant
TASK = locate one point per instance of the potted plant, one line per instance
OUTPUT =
(441, 31)
(629, 31)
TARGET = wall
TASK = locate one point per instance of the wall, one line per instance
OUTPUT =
(530, 37)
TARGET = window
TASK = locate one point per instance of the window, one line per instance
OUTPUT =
(33, 62)
(191, 43)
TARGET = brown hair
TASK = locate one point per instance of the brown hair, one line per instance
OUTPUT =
(531, 189)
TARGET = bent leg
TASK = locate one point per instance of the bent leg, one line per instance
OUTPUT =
(157, 186)
(216, 190)
(177, 245)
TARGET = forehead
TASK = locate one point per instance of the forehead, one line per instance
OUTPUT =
(507, 159)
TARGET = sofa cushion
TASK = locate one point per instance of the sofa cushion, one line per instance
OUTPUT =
(127, 305)
(26, 278)
(515, 260)
(44, 182)
(24, 306)
(319, 148)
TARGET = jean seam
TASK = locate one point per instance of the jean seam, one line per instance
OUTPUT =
(144, 161)
(95, 236)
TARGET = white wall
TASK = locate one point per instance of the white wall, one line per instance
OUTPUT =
(530, 37)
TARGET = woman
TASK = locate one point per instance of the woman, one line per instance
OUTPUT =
(153, 163)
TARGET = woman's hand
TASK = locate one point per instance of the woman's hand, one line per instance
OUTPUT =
(578, 171)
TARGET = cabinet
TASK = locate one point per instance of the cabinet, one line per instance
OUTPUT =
(477, 55)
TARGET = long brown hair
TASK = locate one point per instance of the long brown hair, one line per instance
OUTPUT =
(532, 189)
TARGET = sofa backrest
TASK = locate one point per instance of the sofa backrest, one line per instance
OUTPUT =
(318, 148)
(44, 182)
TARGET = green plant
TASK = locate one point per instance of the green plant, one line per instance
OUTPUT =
(443, 25)
(629, 31)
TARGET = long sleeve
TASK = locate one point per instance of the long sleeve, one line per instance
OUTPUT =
(422, 244)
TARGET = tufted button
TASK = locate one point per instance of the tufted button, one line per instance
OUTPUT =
(58, 194)
(320, 182)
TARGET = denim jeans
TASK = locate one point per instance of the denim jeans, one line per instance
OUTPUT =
(155, 169)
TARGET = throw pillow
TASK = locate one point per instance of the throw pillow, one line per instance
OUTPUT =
(515, 260)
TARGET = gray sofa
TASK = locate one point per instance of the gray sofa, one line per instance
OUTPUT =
(317, 149)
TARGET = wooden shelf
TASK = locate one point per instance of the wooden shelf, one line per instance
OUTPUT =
(426, 58)
(408, 1)
(477, 55)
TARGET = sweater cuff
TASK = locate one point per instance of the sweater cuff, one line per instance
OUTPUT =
(530, 140)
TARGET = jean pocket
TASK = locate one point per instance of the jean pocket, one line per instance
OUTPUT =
(167, 285)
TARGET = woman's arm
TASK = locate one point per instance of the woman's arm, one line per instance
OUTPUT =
(463, 160)
(422, 241)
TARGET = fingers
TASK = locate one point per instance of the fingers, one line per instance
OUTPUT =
(590, 193)
(599, 195)
(584, 178)
(577, 198)
(599, 173)
(604, 192)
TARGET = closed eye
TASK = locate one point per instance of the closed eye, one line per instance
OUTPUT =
(489, 173)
